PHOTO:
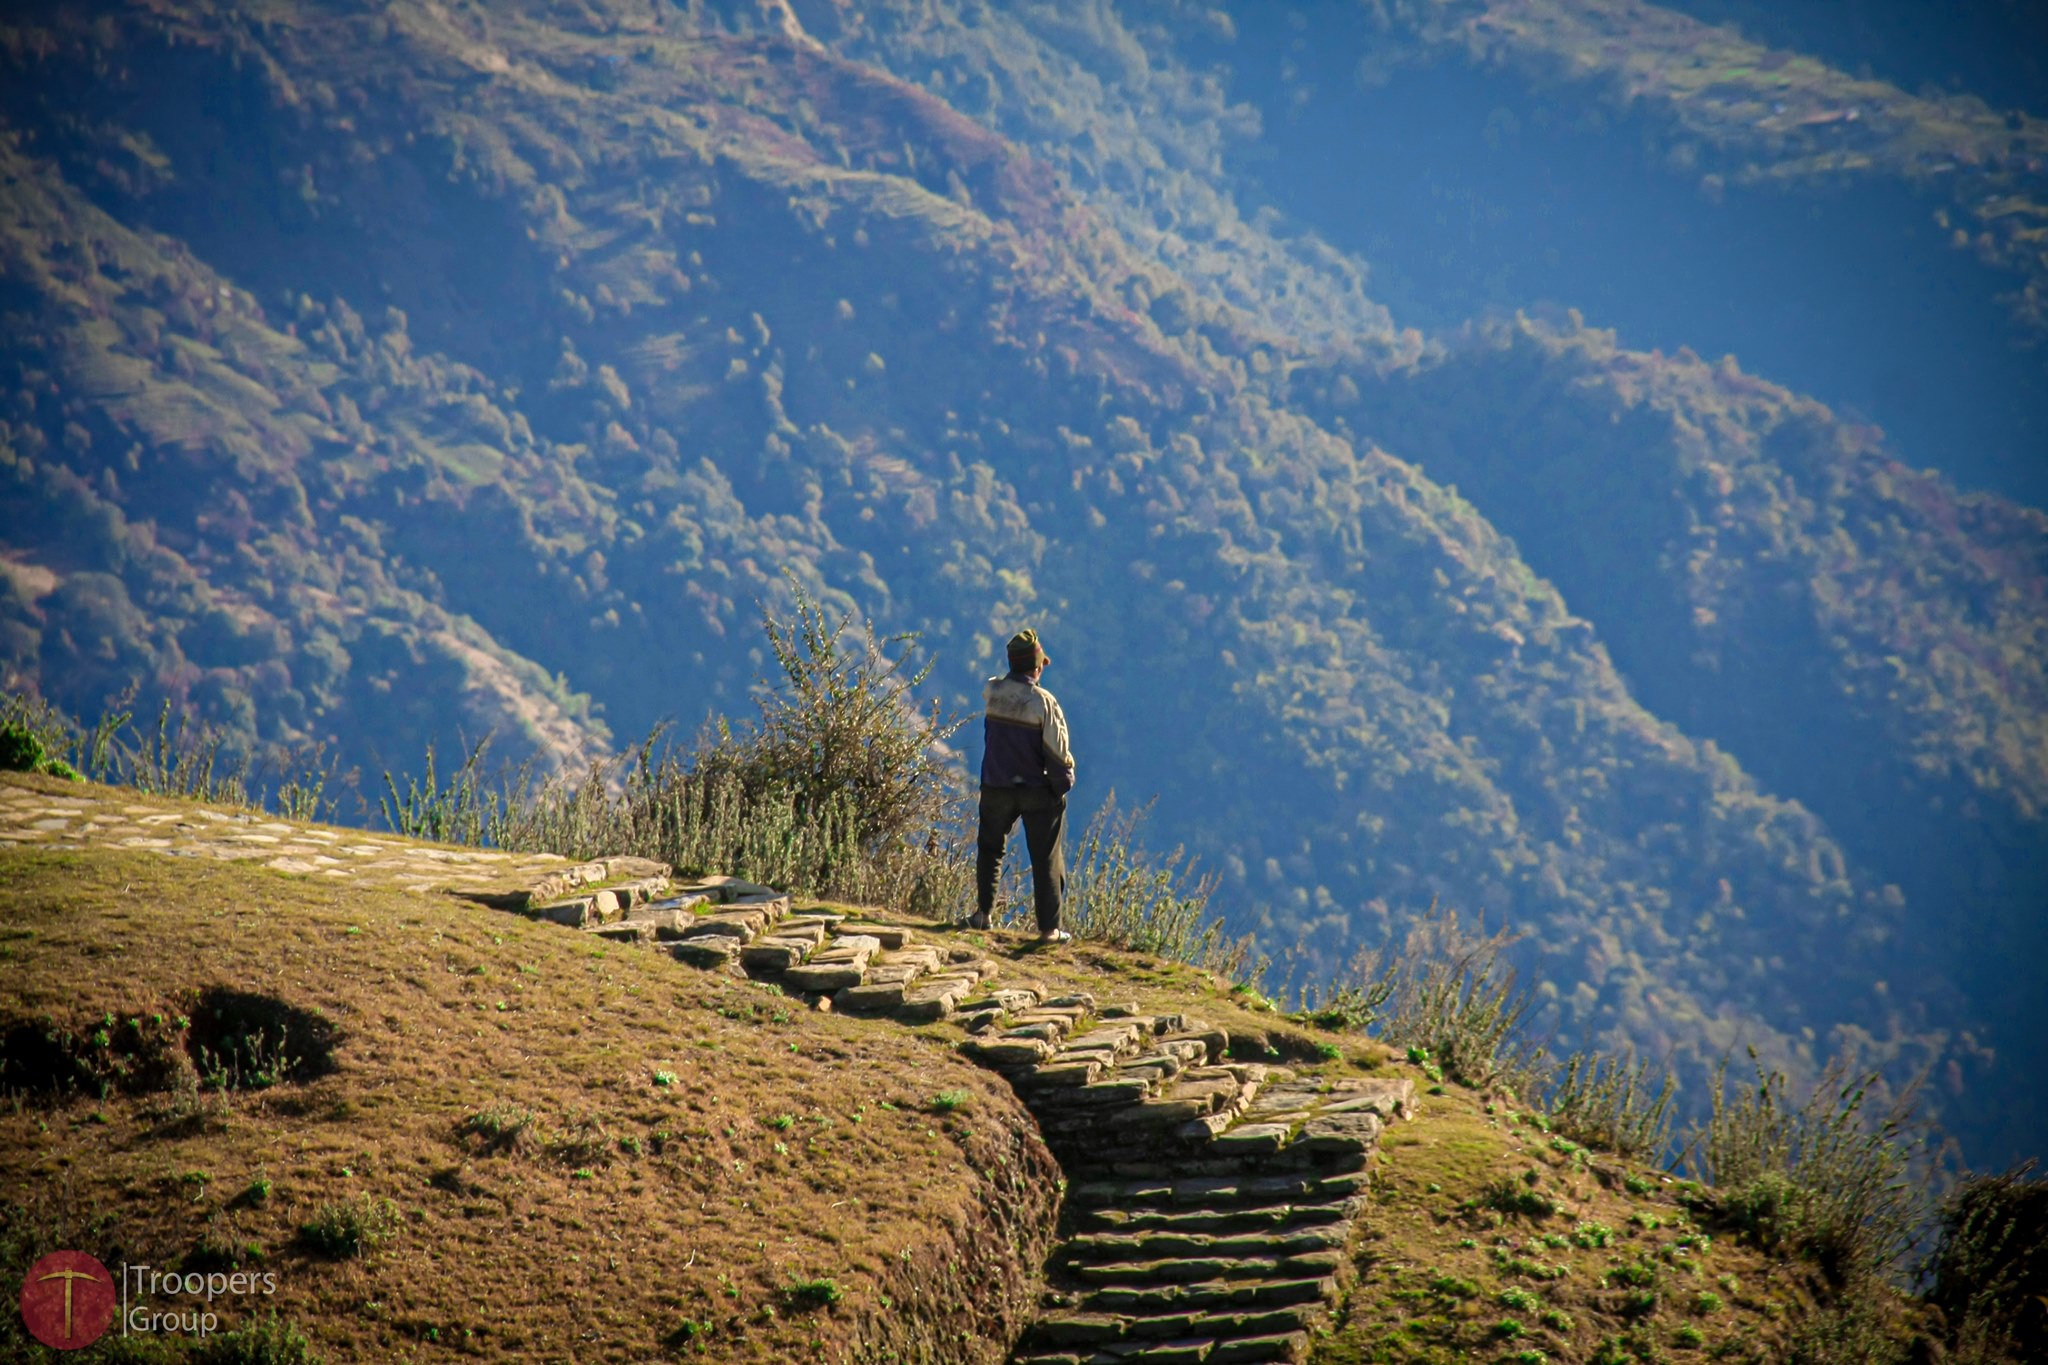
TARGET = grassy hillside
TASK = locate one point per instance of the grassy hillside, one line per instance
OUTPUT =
(499, 1138)
(378, 380)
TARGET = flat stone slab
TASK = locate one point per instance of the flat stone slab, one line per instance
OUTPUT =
(825, 978)
(929, 1000)
(773, 955)
(1063, 1074)
(714, 950)
(1285, 1347)
(576, 912)
(890, 936)
(1211, 1094)
(1044, 1033)
(1353, 1132)
(1391, 1099)
(1157, 1114)
(849, 947)
(1005, 1052)
(870, 997)
(1158, 1066)
(1100, 1094)
(1117, 1037)
(1253, 1138)
(742, 925)
(665, 905)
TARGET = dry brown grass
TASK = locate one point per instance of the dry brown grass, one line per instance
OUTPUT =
(1459, 1220)
(623, 1212)
(496, 1112)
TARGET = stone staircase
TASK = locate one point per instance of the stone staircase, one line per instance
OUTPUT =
(1209, 1200)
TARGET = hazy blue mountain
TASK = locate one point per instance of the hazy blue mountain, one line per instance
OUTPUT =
(386, 378)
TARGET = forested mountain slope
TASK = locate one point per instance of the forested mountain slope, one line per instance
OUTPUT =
(380, 377)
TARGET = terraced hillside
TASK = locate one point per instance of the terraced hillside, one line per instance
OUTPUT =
(461, 1104)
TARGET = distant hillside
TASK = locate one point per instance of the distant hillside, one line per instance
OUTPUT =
(384, 379)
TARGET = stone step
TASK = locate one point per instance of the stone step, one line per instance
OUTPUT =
(1190, 1269)
(744, 925)
(775, 955)
(891, 936)
(1093, 1097)
(1008, 1000)
(1129, 1334)
(870, 997)
(1286, 1348)
(1219, 1192)
(710, 952)
(1129, 1246)
(641, 874)
(840, 963)
(666, 908)
(1007, 1053)
(938, 996)
(1210, 1295)
(1266, 1217)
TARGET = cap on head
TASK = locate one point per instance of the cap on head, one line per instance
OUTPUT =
(1025, 651)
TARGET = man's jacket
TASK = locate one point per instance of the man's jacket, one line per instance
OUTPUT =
(1024, 736)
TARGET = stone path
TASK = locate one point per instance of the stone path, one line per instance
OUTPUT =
(1210, 1201)
(178, 829)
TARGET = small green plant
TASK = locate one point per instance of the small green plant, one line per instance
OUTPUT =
(1688, 1336)
(257, 1191)
(1535, 1270)
(1638, 1275)
(1509, 1196)
(781, 1123)
(1451, 1287)
(500, 1127)
(23, 750)
(348, 1228)
(1521, 1300)
(1557, 1321)
(1509, 1329)
(946, 1101)
(664, 1078)
(1609, 1103)
(1706, 1301)
(1636, 1184)
(810, 1294)
(686, 1333)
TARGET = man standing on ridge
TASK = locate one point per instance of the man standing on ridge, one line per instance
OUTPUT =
(1027, 769)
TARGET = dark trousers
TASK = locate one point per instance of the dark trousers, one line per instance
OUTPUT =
(1045, 818)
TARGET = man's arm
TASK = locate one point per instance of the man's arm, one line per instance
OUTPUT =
(1058, 751)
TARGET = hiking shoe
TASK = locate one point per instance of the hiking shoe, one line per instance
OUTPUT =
(1055, 936)
(977, 920)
